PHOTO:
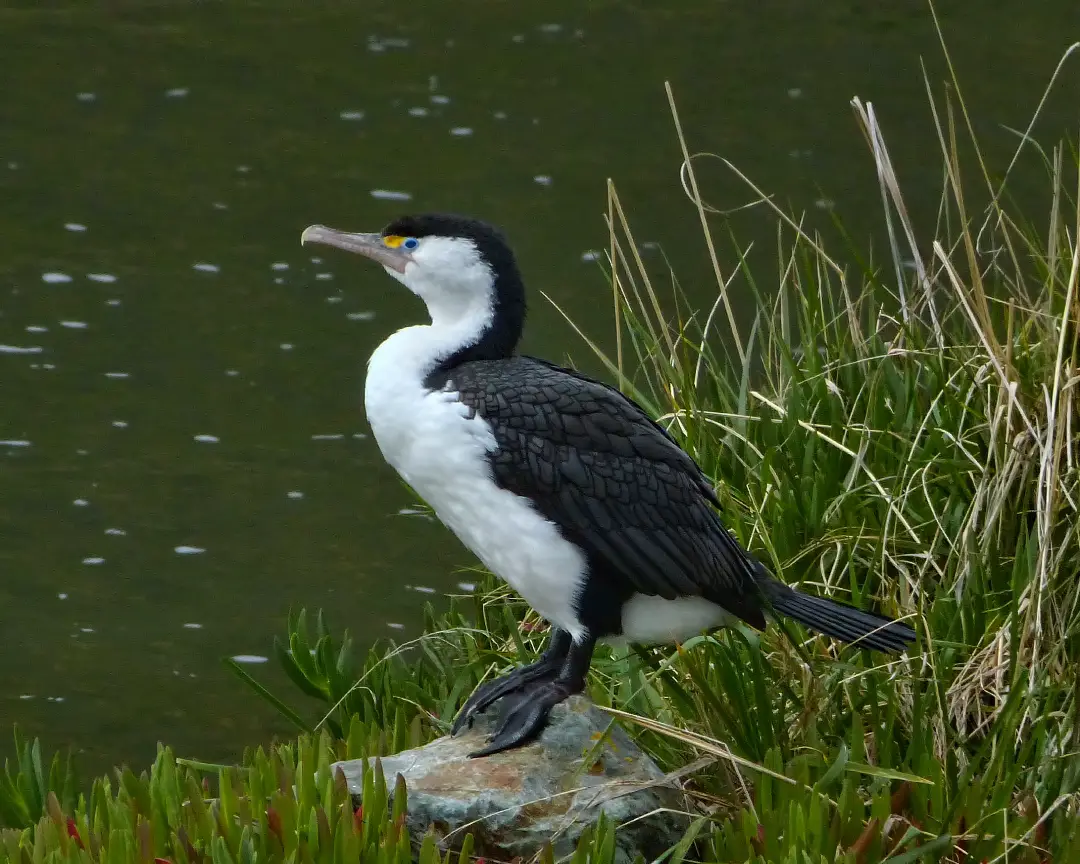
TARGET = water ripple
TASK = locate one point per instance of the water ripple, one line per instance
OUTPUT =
(390, 195)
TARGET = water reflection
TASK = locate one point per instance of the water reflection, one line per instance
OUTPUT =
(390, 195)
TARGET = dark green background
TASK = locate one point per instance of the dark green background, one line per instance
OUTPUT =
(259, 131)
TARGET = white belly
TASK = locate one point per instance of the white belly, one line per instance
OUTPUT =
(650, 620)
(443, 455)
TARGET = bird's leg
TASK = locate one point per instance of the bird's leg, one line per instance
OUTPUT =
(545, 668)
(527, 715)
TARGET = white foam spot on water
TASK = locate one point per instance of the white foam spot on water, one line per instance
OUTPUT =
(324, 276)
(351, 115)
(113, 301)
(468, 587)
(329, 436)
(86, 629)
(794, 92)
(203, 267)
(333, 299)
(101, 277)
(20, 349)
(117, 375)
(418, 111)
(192, 625)
(315, 259)
(232, 373)
(220, 205)
(423, 589)
(116, 532)
(55, 278)
(27, 696)
(207, 439)
(543, 179)
(33, 328)
(393, 625)
(177, 92)
(461, 131)
(295, 495)
(390, 195)
(549, 28)
(439, 99)
(278, 280)
(93, 561)
(86, 96)
(499, 115)
(518, 37)
(77, 227)
(590, 255)
(81, 502)
(243, 169)
(360, 316)
(14, 442)
(250, 658)
(279, 265)
(189, 550)
(74, 325)
(120, 424)
(286, 346)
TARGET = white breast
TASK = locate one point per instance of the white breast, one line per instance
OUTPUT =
(442, 454)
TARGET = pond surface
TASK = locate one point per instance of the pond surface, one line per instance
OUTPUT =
(183, 453)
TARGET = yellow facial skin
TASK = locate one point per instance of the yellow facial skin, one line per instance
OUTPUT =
(393, 241)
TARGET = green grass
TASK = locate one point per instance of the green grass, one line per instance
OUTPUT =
(902, 437)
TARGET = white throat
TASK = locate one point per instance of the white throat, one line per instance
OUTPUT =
(396, 396)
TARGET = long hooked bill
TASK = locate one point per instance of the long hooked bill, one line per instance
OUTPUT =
(369, 245)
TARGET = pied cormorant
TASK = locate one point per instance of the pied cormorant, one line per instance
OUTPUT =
(560, 484)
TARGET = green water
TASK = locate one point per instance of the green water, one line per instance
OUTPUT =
(139, 142)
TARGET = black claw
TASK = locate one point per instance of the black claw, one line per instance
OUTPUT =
(526, 719)
(545, 669)
(493, 691)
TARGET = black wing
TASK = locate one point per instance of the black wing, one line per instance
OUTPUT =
(612, 479)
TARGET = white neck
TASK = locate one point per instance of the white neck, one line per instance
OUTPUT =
(465, 321)
(413, 352)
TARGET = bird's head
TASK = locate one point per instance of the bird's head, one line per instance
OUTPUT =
(463, 269)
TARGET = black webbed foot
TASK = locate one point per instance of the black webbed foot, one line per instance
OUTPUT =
(547, 668)
(526, 717)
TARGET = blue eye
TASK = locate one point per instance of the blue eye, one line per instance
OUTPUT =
(411, 243)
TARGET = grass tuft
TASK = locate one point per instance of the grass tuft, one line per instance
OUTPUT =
(903, 437)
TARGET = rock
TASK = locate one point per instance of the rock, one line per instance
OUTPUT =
(514, 802)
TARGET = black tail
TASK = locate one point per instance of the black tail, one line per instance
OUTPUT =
(839, 620)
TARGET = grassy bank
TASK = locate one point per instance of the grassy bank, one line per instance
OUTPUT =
(902, 435)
